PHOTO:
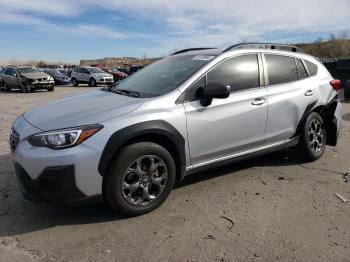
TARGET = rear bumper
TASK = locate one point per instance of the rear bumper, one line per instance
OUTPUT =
(54, 185)
(332, 117)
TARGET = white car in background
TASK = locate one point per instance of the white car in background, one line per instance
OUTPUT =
(90, 75)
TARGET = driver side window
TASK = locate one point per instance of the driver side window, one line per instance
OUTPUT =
(240, 73)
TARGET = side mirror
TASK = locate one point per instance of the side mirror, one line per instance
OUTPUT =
(213, 90)
(15, 75)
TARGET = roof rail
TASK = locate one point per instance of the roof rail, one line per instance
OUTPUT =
(191, 49)
(285, 47)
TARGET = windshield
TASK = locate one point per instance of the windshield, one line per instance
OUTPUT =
(163, 76)
(24, 70)
(95, 70)
(54, 72)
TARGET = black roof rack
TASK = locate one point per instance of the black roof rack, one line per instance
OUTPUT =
(191, 49)
(285, 47)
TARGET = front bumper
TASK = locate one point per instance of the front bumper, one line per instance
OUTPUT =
(71, 175)
(108, 80)
(43, 85)
(54, 185)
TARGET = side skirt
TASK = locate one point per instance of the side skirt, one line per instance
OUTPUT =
(240, 157)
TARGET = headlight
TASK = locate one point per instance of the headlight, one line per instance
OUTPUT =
(51, 78)
(64, 138)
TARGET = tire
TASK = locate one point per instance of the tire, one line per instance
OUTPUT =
(313, 138)
(347, 90)
(74, 82)
(51, 89)
(129, 169)
(26, 88)
(5, 87)
(92, 82)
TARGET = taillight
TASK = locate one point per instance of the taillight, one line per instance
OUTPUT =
(335, 84)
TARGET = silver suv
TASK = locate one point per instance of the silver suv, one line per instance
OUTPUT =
(193, 110)
(90, 75)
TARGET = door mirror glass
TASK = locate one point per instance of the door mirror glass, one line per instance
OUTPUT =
(212, 90)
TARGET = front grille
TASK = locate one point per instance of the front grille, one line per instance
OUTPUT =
(14, 139)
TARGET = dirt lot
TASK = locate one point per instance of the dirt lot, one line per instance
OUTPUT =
(266, 209)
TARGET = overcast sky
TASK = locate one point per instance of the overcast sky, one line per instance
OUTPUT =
(71, 30)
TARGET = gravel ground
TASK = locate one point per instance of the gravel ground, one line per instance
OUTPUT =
(271, 208)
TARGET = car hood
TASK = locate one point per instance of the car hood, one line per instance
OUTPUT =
(90, 108)
(36, 75)
(103, 75)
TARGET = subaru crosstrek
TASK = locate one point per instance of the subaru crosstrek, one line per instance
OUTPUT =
(198, 108)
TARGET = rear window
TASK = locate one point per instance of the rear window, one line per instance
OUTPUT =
(281, 69)
(312, 68)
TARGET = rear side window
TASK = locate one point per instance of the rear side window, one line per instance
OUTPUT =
(240, 73)
(311, 67)
(281, 69)
(302, 74)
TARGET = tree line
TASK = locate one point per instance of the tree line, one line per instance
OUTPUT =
(334, 46)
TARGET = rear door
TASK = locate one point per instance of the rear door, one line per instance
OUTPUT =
(228, 126)
(289, 95)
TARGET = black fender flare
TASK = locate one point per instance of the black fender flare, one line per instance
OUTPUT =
(154, 128)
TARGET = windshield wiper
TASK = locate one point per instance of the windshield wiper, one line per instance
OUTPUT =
(125, 92)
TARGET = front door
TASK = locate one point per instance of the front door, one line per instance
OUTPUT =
(230, 126)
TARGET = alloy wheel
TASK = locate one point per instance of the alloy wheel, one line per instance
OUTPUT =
(144, 181)
(316, 136)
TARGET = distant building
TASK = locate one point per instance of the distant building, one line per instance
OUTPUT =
(117, 61)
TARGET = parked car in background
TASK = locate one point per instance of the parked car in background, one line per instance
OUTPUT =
(60, 79)
(26, 78)
(123, 69)
(117, 75)
(63, 71)
(90, 75)
(134, 69)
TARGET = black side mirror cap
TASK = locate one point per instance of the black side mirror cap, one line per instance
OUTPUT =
(213, 90)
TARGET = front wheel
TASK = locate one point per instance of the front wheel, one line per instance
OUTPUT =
(140, 179)
(92, 82)
(312, 142)
(74, 82)
(51, 89)
(26, 88)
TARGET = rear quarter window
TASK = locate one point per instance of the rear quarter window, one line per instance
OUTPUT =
(312, 68)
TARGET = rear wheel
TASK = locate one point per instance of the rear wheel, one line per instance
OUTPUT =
(312, 138)
(140, 179)
(74, 82)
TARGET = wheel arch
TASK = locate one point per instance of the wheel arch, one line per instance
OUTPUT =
(327, 114)
(157, 131)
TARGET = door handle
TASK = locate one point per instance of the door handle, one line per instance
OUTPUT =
(258, 101)
(309, 93)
